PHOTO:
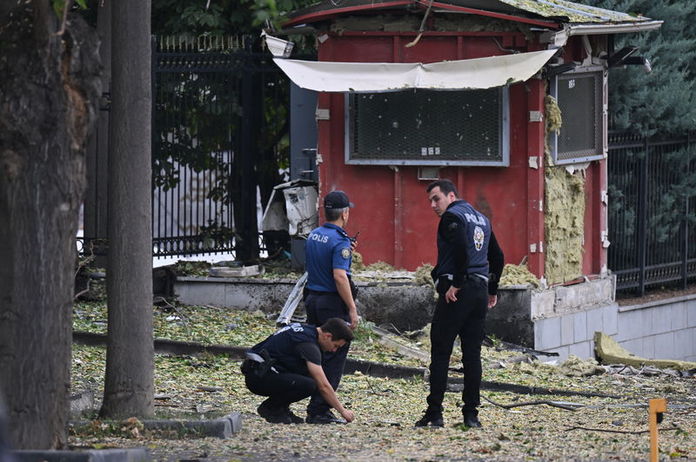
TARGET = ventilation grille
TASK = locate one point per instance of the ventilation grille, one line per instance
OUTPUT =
(426, 127)
(580, 99)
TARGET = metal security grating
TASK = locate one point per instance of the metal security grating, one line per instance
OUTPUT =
(580, 98)
(426, 127)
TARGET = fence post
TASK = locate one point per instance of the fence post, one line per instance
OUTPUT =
(245, 223)
(642, 216)
(685, 226)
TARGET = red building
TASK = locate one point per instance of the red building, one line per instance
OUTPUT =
(479, 122)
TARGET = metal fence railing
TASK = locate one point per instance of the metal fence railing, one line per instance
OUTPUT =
(652, 211)
(215, 102)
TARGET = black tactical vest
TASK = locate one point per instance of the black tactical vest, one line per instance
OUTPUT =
(281, 347)
(478, 235)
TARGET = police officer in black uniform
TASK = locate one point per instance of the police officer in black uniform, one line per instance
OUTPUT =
(286, 367)
(329, 291)
(469, 265)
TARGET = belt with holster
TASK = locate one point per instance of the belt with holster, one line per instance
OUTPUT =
(258, 364)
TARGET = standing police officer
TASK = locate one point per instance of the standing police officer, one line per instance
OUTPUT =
(286, 367)
(469, 265)
(328, 292)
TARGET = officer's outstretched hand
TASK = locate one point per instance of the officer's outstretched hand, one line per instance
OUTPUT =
(348, 415)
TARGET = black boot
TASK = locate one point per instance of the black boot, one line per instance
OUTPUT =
(273, 413)
(434, 418)
(294, 418)
(471, 419)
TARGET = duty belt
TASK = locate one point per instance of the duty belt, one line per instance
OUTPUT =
(451, 276)
(257, 363)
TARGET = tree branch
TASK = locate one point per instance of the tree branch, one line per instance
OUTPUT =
(567, 407)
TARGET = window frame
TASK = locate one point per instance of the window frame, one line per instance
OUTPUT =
(504, 141)
(601, 111)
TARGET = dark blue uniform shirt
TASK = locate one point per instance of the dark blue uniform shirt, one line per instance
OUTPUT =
(327, 248)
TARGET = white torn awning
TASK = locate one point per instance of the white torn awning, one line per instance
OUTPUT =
(493, 71)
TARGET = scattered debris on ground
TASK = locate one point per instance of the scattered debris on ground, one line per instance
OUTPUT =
(597, 411)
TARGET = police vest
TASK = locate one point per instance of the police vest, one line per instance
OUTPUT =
(281, 347)
(478, 235)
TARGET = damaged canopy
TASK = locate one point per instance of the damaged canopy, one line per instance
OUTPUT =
(463, 74)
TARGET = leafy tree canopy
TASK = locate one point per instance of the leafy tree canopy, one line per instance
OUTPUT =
(661, 102)
(235, 17)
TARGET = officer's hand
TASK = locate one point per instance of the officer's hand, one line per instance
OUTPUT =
(492, 301)
(354, 321)
(451, 295)
(353, 245)
(348, 415)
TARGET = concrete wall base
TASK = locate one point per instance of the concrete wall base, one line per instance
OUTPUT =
(404, 305)
(561, 319)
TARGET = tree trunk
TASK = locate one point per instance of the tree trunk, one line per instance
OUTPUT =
(49, 86)
(128, 387)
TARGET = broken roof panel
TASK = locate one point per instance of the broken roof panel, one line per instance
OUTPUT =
(547, 13)
(574, 12)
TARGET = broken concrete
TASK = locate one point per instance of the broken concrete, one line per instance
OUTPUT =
(223, 428)
(81, 403)
(90, 455)
(610, 352)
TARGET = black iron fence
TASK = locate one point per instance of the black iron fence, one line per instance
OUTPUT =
(652, 212)
(219, 118)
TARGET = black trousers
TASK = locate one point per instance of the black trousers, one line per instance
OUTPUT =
(282, 388)
(321, 307)
(464, 318)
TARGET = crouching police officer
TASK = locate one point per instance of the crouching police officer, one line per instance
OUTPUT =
(286, 367)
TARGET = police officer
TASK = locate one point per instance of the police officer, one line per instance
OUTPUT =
(469, 265)
(329, 291)
(286, 367)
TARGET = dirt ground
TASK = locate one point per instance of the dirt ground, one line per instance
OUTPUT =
(654, 295)
(532, 427)
(600, 428)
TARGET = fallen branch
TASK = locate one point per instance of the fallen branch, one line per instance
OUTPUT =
(567, 407)
(522, 349)
(385, 338)
(607, 431)
(639, 432)
(456, 384)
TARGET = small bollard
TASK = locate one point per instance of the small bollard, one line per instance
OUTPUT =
(655, 410)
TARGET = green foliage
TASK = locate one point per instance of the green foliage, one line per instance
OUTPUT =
(663, 101)
(192, 268)
(216, 234)
(199, 136)
(220, 17)
(60, 5)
